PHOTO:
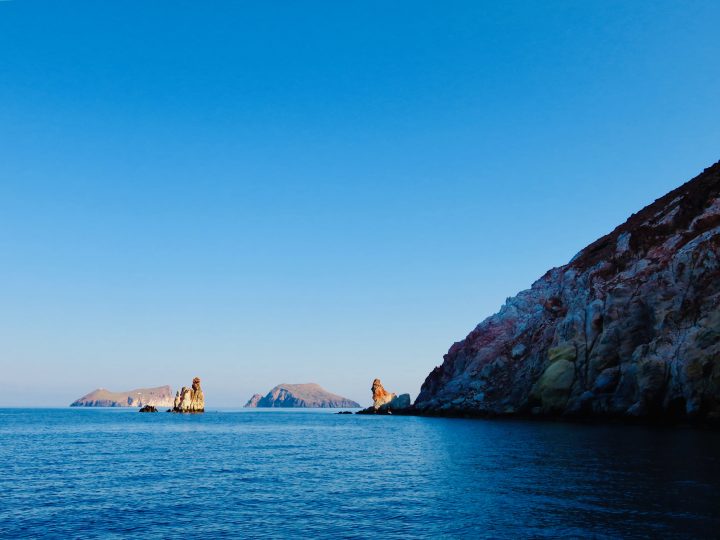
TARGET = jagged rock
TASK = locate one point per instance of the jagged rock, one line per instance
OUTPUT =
(397, 403)
(630, 327)
(309, 395)
(380, 395)
(160, 396)
(190, 400)
(385, 402)
(148, 408)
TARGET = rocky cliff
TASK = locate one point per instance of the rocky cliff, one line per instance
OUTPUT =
(300, 395)
(160, 396)
(190, 400)
(629, 328)
(380, 396)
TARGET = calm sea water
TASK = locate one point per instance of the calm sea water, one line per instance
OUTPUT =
(104, 473)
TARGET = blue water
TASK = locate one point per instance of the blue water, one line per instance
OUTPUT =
(109, 473)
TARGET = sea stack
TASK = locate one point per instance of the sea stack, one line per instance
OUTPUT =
(190, 400)
(380, 395)
(385, 402)
(629, 328)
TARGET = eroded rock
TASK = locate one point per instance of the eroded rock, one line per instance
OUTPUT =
(160, 396)
(385, 402)
(307, 395)
(190, 400)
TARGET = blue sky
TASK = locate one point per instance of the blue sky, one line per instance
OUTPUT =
(267, 192)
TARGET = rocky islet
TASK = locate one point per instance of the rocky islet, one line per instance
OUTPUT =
(190, 400)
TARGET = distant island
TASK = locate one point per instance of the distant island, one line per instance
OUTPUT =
(160, 396)
(309, 395)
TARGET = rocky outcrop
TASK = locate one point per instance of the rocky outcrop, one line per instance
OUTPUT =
(148, 408)
(190, 400)
(380, 396)
(160, 396)
(385, 402)
(309, 395)
(630, 328)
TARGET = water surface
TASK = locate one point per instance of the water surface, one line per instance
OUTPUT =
(104, 473)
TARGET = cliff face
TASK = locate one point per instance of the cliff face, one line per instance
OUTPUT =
(300, 395)
(629, 328)
(160, 396)
(190, 400)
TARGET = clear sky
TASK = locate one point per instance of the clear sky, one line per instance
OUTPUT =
(268, 192)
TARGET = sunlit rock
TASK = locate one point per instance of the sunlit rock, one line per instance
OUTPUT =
(190, 400)
(630, 328)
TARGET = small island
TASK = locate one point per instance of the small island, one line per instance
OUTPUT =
(308, 395)
(160, 396)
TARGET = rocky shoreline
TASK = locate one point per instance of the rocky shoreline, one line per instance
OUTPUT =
(628, 331)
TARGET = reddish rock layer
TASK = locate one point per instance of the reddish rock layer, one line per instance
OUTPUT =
(380, 396)
(629, 328)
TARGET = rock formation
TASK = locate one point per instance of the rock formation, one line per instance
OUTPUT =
(629, 328)
(148, 408)
(300, 395)
(385, 402)
(190, 400)
(160, 396)
(380, 395)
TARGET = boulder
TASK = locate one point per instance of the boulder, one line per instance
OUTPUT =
(148, 408)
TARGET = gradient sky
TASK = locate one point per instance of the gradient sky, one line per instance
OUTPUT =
(268, 192)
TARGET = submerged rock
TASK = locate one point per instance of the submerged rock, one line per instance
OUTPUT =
(630, 327)
(190, 400)
(148, 408)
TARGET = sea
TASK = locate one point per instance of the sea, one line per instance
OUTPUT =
(115, 473)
